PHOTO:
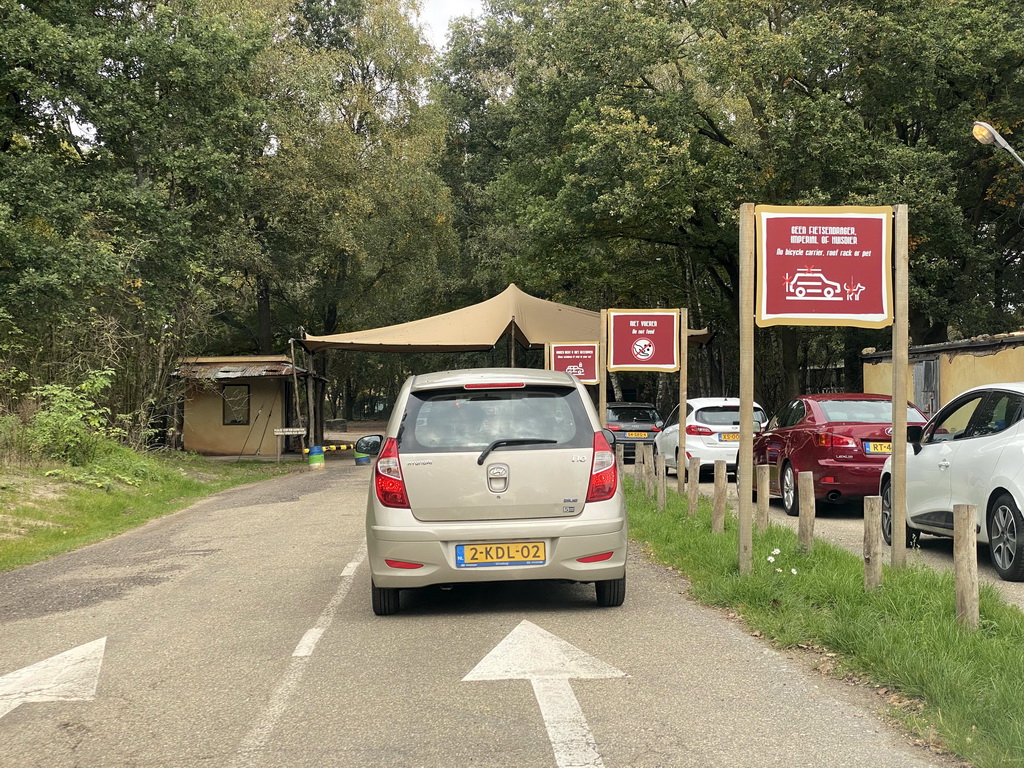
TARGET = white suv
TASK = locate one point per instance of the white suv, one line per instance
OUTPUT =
(494, 474)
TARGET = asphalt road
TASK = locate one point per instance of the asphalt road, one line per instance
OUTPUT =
(239, 632)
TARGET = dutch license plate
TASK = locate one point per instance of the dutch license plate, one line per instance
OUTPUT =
(729, 436)
(511, 553)
(879, 447)
(636, 434)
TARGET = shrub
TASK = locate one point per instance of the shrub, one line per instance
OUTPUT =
(68, 426)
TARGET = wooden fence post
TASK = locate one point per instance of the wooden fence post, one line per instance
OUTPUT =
(649, 469)
(620, 461)
(965, 564)
(872, 542)
(763, 497)
(693, 484)
(661, 481)
(721, 486)
(805, 486)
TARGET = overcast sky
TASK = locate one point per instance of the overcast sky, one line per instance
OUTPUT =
(436, 14)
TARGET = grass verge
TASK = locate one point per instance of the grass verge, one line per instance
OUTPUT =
(47, 511)
(902, 636)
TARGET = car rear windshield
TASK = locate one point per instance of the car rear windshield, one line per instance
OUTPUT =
(460, 420)
(870, 411)
(725, 415)
(632, 413)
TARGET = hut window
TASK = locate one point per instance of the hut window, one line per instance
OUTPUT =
(236, 404)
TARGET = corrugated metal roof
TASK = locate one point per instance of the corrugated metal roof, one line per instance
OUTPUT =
(984, 342)
(217, 368)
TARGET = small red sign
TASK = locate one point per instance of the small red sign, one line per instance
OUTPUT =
(643, 340)
(578, 359)
(824, 266)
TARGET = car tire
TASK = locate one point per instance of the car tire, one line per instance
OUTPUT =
(790, 493)
(1006, 538)
(912, 536)
(611, 593)
(384, 599)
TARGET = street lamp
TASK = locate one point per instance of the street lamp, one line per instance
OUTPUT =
(986, 134)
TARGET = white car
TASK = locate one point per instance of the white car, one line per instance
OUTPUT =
(494, 474)
(970, 452)
(712, 432)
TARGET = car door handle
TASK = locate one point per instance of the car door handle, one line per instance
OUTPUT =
(943, 464)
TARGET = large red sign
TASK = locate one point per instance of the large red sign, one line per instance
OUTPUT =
(643, 340)
(578, 359)
(824, 266)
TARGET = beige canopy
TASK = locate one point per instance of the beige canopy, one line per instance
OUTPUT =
(533, 322)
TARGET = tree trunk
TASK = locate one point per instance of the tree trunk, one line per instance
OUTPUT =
(264, 334)
(790, 343)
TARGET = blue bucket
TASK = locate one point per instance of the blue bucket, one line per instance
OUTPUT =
(316, 457)
(362, 459)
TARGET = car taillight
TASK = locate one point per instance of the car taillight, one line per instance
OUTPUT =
(387, 477)
(828, 440)
(604, 477)
(693, 429)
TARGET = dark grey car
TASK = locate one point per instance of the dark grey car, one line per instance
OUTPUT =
(634, 424)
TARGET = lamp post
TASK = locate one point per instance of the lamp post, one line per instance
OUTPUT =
(986, 134)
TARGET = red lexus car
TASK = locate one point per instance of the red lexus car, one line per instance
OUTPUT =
(844, 439)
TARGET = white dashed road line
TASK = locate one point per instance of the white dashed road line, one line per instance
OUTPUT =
(253, 744)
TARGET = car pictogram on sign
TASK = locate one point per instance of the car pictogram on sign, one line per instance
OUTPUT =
(811, 284)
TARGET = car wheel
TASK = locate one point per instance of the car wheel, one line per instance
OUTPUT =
(912, 536)
(790, 496)
(887, 512)
(1006, 538)
(385, 600)
(611, 593)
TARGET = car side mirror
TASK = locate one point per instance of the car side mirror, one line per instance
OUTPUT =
(609, 436)
(914, 434)
(369, 444)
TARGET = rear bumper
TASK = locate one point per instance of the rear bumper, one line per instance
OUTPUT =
(850, 481)
(629, 444)
(433, 547)
(709, 454)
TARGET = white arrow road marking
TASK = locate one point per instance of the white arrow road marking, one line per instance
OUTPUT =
(548, 662)
(69, 676)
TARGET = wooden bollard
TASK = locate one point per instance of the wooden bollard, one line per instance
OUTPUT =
(693, 484)
(805, 486)
(649, 469)
(965, 564)
(872, 542)
(763, 482)
(661, 482)
(721, 488)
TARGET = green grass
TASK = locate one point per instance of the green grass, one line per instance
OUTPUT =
(903, 636)
(47, 511)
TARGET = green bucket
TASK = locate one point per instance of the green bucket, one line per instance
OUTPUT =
(362, 459)
(316, 457)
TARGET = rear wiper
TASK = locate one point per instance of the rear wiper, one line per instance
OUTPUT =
(514, 441)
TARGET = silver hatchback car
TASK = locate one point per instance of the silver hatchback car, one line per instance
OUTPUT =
(494, 474)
